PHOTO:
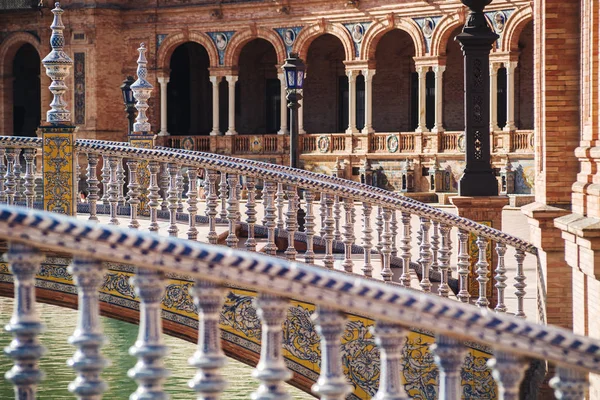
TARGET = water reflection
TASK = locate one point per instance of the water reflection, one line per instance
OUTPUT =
(60, 324)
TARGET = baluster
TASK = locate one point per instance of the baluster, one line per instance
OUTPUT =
(425, 253)
(444, 259)
(332, 383)
(323, 213)
(11, 183)
(348, 233)
(337, 215)
(508, 370)
(25, 349)
(164, 182)
(482, 272)
(390, 339)
(87, 361)
(570, 384)
(291, 222)
(379, 228)
(173, 170)
(367, 240)
(223, 194)
(212, 200)
(386, 250)
(238, 191)
(232, 208)
(2, 175)
(77, 174)
(192, 200)
(18, 177)
(208, 358)
(180, 185)
(271, 370)
(394, 231)
(251, 213)
(500, 277)
(153, 196)
(92, 183)
(280, 204)
(270, 217)
(113, 190)
(435, 244)
(329, 229)
(405, 247)
(520, 284)
(105, 174)
(449, 355)
(149, 371)
(120, 180)
(463, 266)
(264, 202)
(134, 193)
(29, 177)
(309, 227)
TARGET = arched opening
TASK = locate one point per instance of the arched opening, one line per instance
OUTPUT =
(394, 88)
(454, 97)
(326, 88)
(26, 91)
(259, 89)
(524, 80)
(189, 92)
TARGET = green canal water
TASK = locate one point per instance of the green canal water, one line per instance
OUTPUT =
(60, 324)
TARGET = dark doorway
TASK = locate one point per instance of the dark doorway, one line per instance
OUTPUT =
(414, 101)
(26, 91)
(343, 102)
(360, 102)
(273, 96)
(501, 93)
(189, 92)
(430, 100)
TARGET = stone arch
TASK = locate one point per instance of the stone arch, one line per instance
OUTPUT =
(11, 45)
(173, 41)
(513, 28)
(441, 33)
(380, 28)
(239, 40)
(310, 33)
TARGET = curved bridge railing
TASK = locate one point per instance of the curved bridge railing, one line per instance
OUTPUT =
(32, 233)
(157, 178)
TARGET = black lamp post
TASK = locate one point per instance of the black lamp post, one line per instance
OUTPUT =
(294, 70)
(129, 101)
(476, 40)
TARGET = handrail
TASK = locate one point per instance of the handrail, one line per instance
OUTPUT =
(347, 293)
(301, 178)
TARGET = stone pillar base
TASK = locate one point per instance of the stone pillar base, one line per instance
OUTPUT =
(486, 210)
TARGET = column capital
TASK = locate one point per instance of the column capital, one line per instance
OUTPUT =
(511, 66)
(422, 69)
(494, 67)
(215, 79)
(163, 80)
(231, 78)
(368, 73)
(351, 74)
(438, 69)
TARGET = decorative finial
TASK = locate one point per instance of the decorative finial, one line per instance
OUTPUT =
(58, 66)
(141, 91)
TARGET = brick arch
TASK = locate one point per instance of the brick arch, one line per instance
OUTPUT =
(11, 45)
(442, 31)
(380, 28)
(310, 33)
(241, 38)
(173, 41)
(513, 28)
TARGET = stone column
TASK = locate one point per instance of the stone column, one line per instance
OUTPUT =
(283, 130)
(510, 96)
(439, 98)
(301, 116)
(351, 102)
(422, 71)
(494, 96)
(368, 74)
(163, 81)
(215, 80)
(231, 80)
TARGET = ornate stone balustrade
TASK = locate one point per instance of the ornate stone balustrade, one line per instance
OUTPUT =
(241, 145)
(396, 309)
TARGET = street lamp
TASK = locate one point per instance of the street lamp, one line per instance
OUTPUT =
(129, 101)
(294, 70)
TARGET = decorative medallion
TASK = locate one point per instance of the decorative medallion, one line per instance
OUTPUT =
(256, 144)
(392, 143)
(499, 21)
(323, 144)
(428, 26)
(160, 38)
(461, 142)
(221, 40)
(187, 143)
(289, 35)
(357, 31)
